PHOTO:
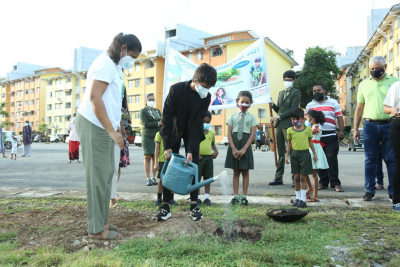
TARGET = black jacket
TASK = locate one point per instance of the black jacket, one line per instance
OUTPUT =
(181, 102)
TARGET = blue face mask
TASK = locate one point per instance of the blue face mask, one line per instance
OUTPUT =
(296, 123)
(308, 123)
(206, 126)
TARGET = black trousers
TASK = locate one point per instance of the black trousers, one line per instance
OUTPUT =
(394, 141)
(331, 149)
(258, 144)
(167, 194)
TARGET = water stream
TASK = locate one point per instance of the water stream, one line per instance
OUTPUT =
(229, 215)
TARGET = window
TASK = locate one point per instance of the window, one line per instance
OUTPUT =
(190, 56)
(12, 104)
(32, 113)
(56, 81)
(216, 52)
(84, 76)
(130, 99)
(49, 95)
(15, 67)
(137, 115)
(149, 80)
(391, 32)
(37, 124)
(25, 102)
(137, 98)
(57, 94)
(171, 33)
(68, 92)
(11, 114)
(218, 130)
(26, 81)
(398, 23)
(68, 105)
(37, 113)
(379, 45)
(200, 55)
(68, 79)
(32, 102)
(384, 40)
(55, 119)
(219, 40)
(148, 64)
(397, 74)
(365, 64)
(3, 95)
(137, 67)
(12, 94)
(32, 90)
(48, 107)
(26, 91)
(37, 90)
(38, 79)
(390, 54)
(130, 83)
(37, 101)
(49, 82)
(137, 82)
(83, 90)
(61, 79)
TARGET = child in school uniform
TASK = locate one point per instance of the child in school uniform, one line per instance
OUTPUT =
(14, 148)
(299, 138)
(241, 134)
(159, 154)
(208, 152)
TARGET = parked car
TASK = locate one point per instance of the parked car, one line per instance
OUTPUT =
(225, 141)
(138, 141)
(353, 145)
(41, 138)
(8, 139)
(55, 138)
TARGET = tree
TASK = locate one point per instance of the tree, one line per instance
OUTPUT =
(319, 67)
(43, 128)
(4, 113)
(288, 52)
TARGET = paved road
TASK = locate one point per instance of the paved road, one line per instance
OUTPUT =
(48, 168)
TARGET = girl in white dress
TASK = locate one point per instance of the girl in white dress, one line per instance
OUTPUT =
(14, 148)
(315, 119)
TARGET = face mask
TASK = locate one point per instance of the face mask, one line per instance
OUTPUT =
(203, 92)
(126, 62)
(307, 123)
(206, 126)
(243, 107)
(296, 122)
(318, 96)
(377, 73)
(151, 103)
(26, 124)
(73, 119)
(288, 83)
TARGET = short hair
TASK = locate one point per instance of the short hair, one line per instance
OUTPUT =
(297, 113)
(208, 115)
(27, 121)
(319, 84)
(376, 59)
(245, 94)
(289, 74)
(151, 94)
(206, 74)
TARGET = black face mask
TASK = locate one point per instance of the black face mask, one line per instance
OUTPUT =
(377, 73)
(318, 96)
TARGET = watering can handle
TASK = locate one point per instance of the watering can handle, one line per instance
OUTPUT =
(164, 169)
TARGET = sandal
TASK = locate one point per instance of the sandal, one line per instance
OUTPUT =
(380, 187)
(116, 206)
(338, 188)
(113, 228)
(311, 199)
(111, 236)
(321, 186)
(119, 197)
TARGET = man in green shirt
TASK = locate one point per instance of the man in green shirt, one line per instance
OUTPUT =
(370, 97)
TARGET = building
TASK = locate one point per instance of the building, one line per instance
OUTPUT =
(374, 20)
(385, 42)
(84, 57)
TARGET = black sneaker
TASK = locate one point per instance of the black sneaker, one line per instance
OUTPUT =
(199, 202)
(234, 201)
(368, 196)
(195, 212)
(158, 202)
(149, 182)
(396, 207)
(391, 198)
(244, 202)
(154, 181)
(302, 204)
(173, 202)
(296, 202)
(164, 213)
(207, 202)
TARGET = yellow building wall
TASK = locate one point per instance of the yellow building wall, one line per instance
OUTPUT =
(276, 65)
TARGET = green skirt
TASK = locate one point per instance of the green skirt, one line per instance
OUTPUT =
(148, 145)
(247, 161)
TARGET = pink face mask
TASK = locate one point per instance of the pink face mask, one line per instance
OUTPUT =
(243, 107)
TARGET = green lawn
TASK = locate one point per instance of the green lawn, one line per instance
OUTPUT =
(362, 237)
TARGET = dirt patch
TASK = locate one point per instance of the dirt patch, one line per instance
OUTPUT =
(67, 227)
(251, 234)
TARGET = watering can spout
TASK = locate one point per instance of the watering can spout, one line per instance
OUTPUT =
(196, 186)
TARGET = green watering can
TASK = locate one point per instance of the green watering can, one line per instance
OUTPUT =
(178, 176)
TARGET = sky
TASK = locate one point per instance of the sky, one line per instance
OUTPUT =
(45, 32)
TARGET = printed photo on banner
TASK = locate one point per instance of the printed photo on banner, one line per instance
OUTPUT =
(246, 72)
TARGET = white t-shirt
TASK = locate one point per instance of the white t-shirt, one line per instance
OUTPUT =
(104, 69)
(73, 135)
(393, 96)
(14, 147)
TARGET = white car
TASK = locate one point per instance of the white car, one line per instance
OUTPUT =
(8, 138)
(225, 141)
(138, 140)
(55, 138)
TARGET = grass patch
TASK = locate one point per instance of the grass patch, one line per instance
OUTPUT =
(367, 235)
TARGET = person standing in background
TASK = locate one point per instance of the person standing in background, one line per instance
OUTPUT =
(27, 139)
(2, 147)
(73, 142)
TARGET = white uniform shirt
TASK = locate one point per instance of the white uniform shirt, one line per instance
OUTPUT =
(104, 69)
(393, 96)
(14, 147)
(73, 135)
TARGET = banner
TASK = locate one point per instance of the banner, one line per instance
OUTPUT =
(246, 72)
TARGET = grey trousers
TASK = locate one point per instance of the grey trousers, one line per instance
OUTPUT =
(27, 150)
(98, 161)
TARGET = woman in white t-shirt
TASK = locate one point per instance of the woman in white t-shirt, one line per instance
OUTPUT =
(73, 149)
(392, 106)
(97, 121)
